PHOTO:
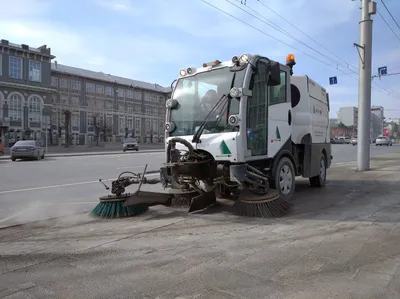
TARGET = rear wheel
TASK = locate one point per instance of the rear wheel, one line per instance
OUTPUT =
(319, 180)
(284, 178)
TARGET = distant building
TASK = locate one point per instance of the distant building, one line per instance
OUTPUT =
(25, 91)
(75, 106)
(348, 116)
(377, 121)
(99, 105)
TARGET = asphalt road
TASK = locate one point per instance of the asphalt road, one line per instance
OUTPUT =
(36, 190)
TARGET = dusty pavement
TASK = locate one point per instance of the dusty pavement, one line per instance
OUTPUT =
(342, 241)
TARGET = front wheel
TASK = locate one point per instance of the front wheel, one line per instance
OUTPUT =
(319, 180)
(284, 178)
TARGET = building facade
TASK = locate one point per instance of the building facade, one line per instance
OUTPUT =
(44, 100)
(25, 91)
(377, 121)
(91, 107)
(348, 116)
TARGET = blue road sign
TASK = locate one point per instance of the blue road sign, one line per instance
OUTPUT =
(382, 71)
(332, 80)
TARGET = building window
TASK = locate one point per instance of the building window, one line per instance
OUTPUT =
(109, 105)
(99, 89)
(129, 93)
(121, 123)
(34, 111)
(121, 92)
(15, 110)
(137, 95)
(15, 66)
(76, 84)
(155, 127)
(109, 121)
(137, 124)
(35, 71)
(109, 91)
(54, 81)
(75, 119)
(90, 119)
(75, 102)
(1, 64)
(90, 87)
(130, 123)
(121, 107)
(64, 83)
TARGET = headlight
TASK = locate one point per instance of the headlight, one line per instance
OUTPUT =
(171, 104)
(169, 127)
(235, 92)
(244, 58)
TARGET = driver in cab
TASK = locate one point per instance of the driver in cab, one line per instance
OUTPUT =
(208, 102)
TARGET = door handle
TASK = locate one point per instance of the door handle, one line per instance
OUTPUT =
(289, 117)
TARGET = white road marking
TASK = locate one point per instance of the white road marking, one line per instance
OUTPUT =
(61, 185)
(12, 216)
(128, 167)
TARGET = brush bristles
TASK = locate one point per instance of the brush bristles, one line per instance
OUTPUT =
(117, 210)
(181, 200)
(272, 209)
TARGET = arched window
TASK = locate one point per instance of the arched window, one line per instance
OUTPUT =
(34, 109)
(15, 107)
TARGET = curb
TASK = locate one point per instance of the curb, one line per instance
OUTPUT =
(89, 154)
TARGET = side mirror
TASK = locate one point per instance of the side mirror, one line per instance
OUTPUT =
(274, 76)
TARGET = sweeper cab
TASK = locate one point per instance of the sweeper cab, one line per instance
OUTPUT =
(241, 129)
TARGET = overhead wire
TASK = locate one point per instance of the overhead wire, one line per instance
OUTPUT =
(387, 9)
(389, 92)
(388, 25)
(304, 33)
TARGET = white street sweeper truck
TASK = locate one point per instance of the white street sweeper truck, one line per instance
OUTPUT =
(242, 129)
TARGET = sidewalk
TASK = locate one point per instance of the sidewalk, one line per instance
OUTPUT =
(81, 150)
(341, 241)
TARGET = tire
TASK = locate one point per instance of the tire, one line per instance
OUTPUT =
(376, 144)
(124, 151)
(286, 168)
(13, 159)
(320, 180)
(37, 156)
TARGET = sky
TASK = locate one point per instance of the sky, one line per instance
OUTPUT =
(151, 40)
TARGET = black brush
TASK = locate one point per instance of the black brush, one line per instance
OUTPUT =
(269, 205)
(112, 206)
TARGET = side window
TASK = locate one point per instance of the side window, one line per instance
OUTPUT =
(257, 112)
(278, 93)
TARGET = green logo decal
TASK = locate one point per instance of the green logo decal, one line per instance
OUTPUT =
(277, 134)
(224, 148)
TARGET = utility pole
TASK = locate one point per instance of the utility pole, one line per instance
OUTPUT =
(364, 85)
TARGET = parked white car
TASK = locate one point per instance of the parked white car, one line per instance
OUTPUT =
(382, 140)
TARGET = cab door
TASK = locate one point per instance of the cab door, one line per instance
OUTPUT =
(279, 115)
(257, 113)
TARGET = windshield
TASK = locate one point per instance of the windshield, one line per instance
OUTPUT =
(25, 143)
(198, 94)
(130, 140)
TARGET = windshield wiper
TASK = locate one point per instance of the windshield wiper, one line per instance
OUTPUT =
(197, 135)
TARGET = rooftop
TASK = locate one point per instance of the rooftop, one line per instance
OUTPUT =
(64, 69)
(43, 50)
